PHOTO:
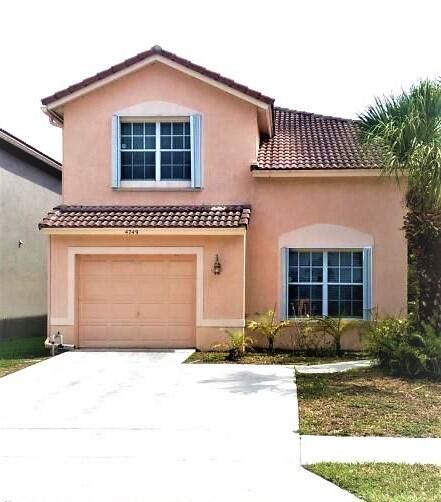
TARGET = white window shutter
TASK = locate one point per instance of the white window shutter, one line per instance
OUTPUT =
(367, 283)
(284, 284)
(116, 157)
(196, 150)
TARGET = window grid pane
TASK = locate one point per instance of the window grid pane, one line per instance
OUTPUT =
(175, 151)
(138, 144)
(305, 283)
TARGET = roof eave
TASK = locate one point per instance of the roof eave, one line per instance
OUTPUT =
(240, 230)
(30, 150)
(315, 172)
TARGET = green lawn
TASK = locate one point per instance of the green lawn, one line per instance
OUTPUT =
(19, 353)
(263, 357)
(385, 482)
(368, 402)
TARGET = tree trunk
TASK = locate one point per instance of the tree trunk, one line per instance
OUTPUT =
(271, 345)
(423, 233)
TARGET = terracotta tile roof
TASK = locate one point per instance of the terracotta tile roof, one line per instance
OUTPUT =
(232, 216)
(156, 50)
(308, 141)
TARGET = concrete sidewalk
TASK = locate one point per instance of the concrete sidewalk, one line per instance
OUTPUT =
(370, 449)
(334, 367)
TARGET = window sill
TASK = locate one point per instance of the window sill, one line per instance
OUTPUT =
(318, 318)
(157, 186)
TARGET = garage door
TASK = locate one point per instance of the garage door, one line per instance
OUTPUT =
(136, 301)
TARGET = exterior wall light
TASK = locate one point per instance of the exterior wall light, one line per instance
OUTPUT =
(217, 267)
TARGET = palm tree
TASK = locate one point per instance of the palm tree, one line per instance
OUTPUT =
(407, 131)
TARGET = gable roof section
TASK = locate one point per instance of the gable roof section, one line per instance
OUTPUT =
(307, 141)
(16, 144)
(158, 52)
(229, 216)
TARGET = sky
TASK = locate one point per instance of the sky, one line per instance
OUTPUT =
(324, 56)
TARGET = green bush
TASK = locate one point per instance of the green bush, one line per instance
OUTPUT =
(405, 347)
(238, 344)
(267, 324)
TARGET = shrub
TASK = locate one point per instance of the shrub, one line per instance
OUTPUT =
(267, 324)
(336, 327)
(309, 338)
(238, 344)
(405, 347)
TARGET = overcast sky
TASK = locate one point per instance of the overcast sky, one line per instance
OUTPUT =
(324, 56)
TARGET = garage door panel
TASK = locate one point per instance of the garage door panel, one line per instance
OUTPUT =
(153, 291)
(95, 311)
(136, 301)
(153, 268)
(118, 333)
(91, 332)
(123, 267)
(180, 312)
(95, 288)
(121, 288)
(181, 268)
(180, 333)
(155, 312)
(167, 336)
(93, 267)
(153, 332)
(181, 290)
(123, 311)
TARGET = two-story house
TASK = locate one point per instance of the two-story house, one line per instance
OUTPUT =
(191, 201)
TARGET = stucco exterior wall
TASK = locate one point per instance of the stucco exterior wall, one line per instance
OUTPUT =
(27, 193)
(229, 139)
(222, 295)
(368, 208)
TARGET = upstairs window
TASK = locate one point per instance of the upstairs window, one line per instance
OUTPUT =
(155, 153)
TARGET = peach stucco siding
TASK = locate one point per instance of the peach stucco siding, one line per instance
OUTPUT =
(370, 207)
(221, 302)
(229, 139)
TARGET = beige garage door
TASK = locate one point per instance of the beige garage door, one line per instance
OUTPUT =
(136, 301)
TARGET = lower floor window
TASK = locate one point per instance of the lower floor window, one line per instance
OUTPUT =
(325, 282)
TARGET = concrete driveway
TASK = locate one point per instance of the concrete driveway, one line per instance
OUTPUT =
(141, 426)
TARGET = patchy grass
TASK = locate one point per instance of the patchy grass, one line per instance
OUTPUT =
(385, 482)
(368, 402)
(264, 357)
(18, 353)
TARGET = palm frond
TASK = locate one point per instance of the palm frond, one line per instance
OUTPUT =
(407, 130)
